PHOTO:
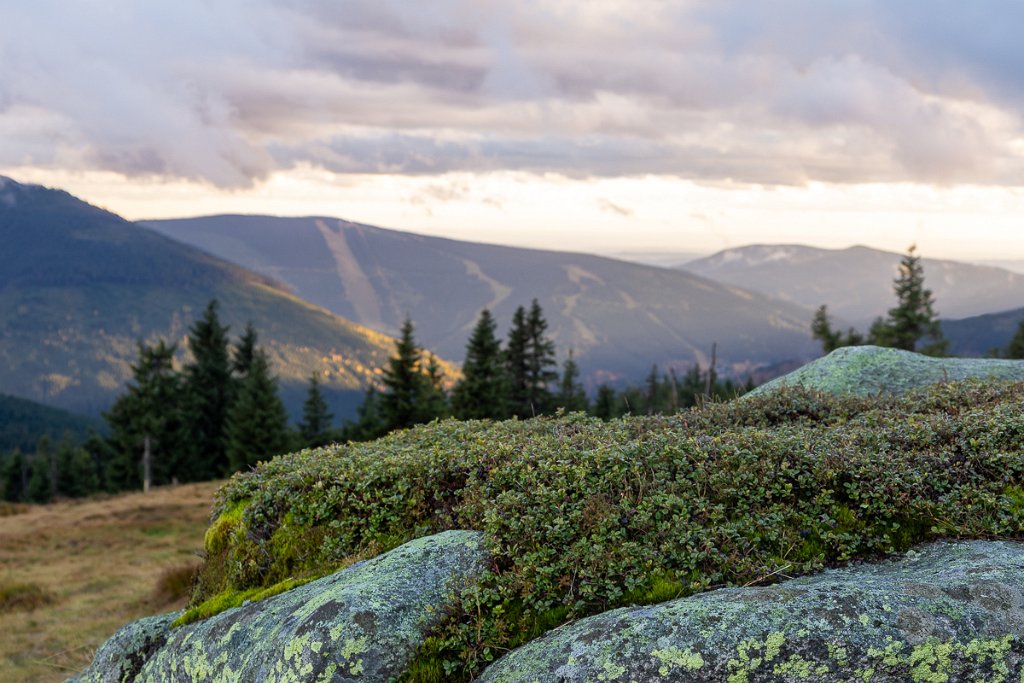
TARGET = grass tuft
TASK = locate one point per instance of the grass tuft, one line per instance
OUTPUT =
(23, 597)
(176, 583)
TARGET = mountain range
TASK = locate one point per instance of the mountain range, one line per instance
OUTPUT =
(80, 286)
(980, 335)
(856, 283)
(619, 318)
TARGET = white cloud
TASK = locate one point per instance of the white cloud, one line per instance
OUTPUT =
(777, 93)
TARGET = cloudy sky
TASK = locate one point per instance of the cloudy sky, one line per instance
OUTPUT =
(609, 125)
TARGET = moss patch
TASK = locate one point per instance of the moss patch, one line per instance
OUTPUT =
(582, 516)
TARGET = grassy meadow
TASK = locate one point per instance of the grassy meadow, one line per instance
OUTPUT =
(73, 572)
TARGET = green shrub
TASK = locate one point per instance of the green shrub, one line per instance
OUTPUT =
(583, 515)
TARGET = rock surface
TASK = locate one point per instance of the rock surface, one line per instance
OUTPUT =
(948, 612)
(363, 623)
(870, 370)
(122, 656)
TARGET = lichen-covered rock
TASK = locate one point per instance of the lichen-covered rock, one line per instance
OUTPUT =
(122, 656)
(949, 612)
(870, 370)
(363, 623)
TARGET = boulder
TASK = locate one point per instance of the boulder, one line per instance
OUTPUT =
(363, 623)
(871, 370)
(948, 612)
(122, 656)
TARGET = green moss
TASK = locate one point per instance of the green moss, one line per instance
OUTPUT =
(582, 515)
(658, 588)
(233, 598)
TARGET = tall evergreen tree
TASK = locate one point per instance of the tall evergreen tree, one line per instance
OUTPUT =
(404, 383)
(76, 470)
(244, 351)
(153, 408)
(821, 329)
(913, 319)
(517, 368)
(907, 324)
(571, 395)
(1015, 349)
(208, 384)
(541, 364)
(315, 428)
(257, 423)
(40, 479)
(433, 402)
(15, 477)
(606, 403)
(369, 422)
(483, 390)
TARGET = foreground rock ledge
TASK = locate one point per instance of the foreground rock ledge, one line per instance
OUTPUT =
(872, 370)
(946, 613)
(363, 623)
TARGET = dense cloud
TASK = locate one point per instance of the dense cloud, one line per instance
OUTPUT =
(777, 93)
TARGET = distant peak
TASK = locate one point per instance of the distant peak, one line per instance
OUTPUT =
(7, 186)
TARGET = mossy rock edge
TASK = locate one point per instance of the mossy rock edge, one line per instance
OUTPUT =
(362, 623)
(946, 612)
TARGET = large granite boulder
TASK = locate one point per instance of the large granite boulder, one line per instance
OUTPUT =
(363, 623)
(947, 612)
(871, 370)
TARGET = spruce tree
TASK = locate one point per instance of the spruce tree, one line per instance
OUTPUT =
(244, 351)
(153, 406)
(15, 477)
(77, 475)
(821, 329)
(433, 401)
(257, 424)
(369, 422)
(404, 383)
(571, 395)
(40, 481)
(606, 403)
(517, 370)
(540, 355)
(1015, 349)
(315, 428)
(913, 319)
(208, 384)
(483, 390)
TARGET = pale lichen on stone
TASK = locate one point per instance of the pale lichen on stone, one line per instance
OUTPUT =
(837, 626)
(871, 370)
(363, 623)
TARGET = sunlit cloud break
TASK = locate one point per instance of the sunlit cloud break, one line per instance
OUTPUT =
(233, 94)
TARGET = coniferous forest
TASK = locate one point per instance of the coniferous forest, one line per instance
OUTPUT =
(219, 411)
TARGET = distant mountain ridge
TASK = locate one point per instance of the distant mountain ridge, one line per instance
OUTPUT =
(23, 422)
(618, 317)
(980, 335)
(79, 286)
(856, 283)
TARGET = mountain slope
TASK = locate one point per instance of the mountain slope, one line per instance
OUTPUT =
(22, 422)
(977, 336)
(618, 317)
(856, 283)
(80, 286)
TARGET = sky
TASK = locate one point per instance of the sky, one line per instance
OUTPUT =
(607, 125)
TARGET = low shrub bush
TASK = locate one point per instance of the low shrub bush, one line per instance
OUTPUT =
(582, 515)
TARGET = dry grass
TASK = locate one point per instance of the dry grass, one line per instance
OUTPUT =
(81, 569)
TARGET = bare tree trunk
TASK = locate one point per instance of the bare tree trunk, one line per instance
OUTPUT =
(147, 469)
(711, 371)
(675, 390)
(53, 474)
